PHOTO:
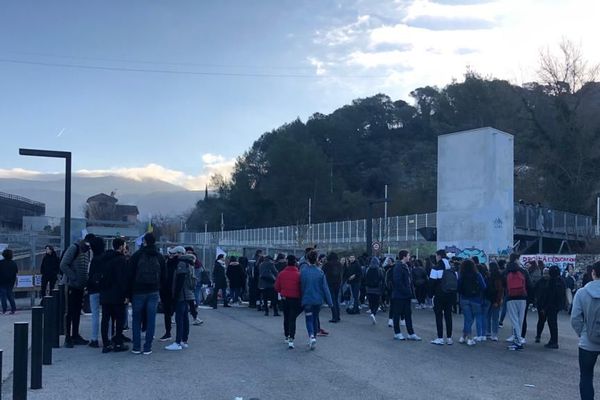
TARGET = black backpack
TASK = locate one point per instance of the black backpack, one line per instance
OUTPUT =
(372, 278)
(148, 269)
(449, 282)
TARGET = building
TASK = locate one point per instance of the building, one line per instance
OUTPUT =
(103, 207)
(13, 208)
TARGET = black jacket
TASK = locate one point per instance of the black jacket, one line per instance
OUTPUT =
(333, 272)
(8, 273)
(551, 294)
(355, 269)
(236, 275)
(139, 288)
(113, 283)
(419, 276)
(50, 266)
(219, 278)
(166, 278)
(95, 274)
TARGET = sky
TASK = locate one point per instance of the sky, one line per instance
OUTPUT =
(177, 90)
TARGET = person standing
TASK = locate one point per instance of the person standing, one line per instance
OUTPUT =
(288, 285)
(334, 272)
(354, 279)
(471, 286)
(419, 278)
(113, 293)
(550, 300)
(166, 292)
(253, 272)
(315, 292)
(402, 293)
(193, 304)
(236, 277)
(49, 269)
(93, 287)
(374, 286)
(74, 266)
(443, 285)
(219, 281)
(8, 280)
(585, 320)
(184, 282)
(518, 285)
(266, 284)
(145, 267)
(495, 295)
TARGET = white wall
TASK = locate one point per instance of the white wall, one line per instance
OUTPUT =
(475, 201)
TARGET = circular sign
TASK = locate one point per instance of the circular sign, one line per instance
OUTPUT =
(376, 246)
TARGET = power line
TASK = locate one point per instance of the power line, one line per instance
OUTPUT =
(180, 72)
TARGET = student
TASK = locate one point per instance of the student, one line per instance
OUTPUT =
(374, 286)
(93, 287)
(49, 269)
(550, 300)
(419, 278)
(288, 285)
(219, 281)
(315, 292)
(166, 292)
(354, 280)
(471, 286)
(334, 272)
(184, 282)
(518, 285)
(236, 277)
(495, 295)
(8, 280)
(444, 285)
(401, 297)
(266, 283)
(584, 320)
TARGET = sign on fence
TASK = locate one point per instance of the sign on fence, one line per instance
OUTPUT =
(560, 260)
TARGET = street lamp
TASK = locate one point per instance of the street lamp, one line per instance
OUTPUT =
(67, 156)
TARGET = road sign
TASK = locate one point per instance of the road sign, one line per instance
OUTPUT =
(376, 246)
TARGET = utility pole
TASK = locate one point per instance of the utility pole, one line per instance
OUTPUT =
(369, 232)
(310, 217)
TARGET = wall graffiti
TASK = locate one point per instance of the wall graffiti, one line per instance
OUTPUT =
(468, 253)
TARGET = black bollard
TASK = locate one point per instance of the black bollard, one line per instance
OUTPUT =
(61, 309)
(20, 361)
(49, 318)
(37, 333)
(1, 360)
(55, 320)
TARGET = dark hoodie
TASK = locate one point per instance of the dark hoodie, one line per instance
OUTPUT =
(219, 277)
(236, 275)
(166, 280)
(551, 294)
(333, 270)
(356, 270)
(113, 283)
(141, 288)
(514, 267)
(50, 266)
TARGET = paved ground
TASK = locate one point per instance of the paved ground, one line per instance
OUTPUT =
(238, 353)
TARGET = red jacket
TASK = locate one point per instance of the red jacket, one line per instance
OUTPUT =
(288, 282)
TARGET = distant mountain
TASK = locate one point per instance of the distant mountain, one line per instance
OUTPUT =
(152, 196)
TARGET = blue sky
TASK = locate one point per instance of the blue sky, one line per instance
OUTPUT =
(311, 56)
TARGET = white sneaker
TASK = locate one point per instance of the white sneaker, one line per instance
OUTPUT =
(462, 340)
(511, 338)
(312, 343)
(523, 341)
(494, 338)
(449, 341)
(399, 336)
(414, 337)
(471, 342)
(197, 322)
(482, 338)
(368, 311)
(373, 319)
(402, 322)
(185, 345)
(290, 345)
(174, 347)
(438, 342)
(391, 323)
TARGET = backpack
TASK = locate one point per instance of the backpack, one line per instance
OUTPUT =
(592, 321)
(148, 270)
(204, 276)
(372, 278)
(77, 250)
(389, 279)
(516, 284)
(449, 282)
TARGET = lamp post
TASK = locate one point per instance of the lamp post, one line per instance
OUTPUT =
(67, 156)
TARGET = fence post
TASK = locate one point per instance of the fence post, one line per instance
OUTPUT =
(21, 339)
(56, 311)
(37, 332)
(49, 319)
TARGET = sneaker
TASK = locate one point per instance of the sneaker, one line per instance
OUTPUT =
(399, 336)
(197, 322)
(120, 347)
(174, 347)
(462, 340)
(438, 342)
(471, 342)
(368, 311)
(69, 343)
(500, 325)
(515, 347)
(414, 337)
(165, 337)
(94, 344)
(511, 338)
(322, 332)
(391, 323)
(449, 341)
(147, 353)
(287, 339)
(134, 351)
(523, 341)
(107, 349)
(312, 343)
(185, 345)
(551, 345)
(373, 319)
(291, 345)
(402, 322)
(79, 341)
(494, 338)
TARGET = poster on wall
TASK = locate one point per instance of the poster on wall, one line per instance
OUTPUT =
(560, 260)
(24, 281)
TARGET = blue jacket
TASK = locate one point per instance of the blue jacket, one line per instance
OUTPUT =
(313, 284)
(402, 284)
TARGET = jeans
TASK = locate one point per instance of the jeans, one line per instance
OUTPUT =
(587, 361)
(335, 310)
(235, 294)
(74, 305)
(515, 310)
(144, 304)
(198, 293)
(291, 310)
(6, 292)
(355, 288)
(442, 307)
(493, 319)
(112, 312)
(311, 313)
(373, 302)
(471, 312)
(402, 307)
(182, 321)
(485, 321)
(95, 307)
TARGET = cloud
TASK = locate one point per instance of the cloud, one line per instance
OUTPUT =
(344, 34)
(210, 158)
(320, 65)
(19, 173)
(379, 58)
(436, 23)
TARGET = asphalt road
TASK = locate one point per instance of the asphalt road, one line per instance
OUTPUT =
(239, 353)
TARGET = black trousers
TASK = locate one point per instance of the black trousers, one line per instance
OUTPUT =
(291, 310)
(45, 282)
(74, 305)
(193, 310)
(442, 307)
(114, 312)
(550, 316)
(373, 302)
(402, 308)
(252, 292)
(269, 294)
(524, 328)
(421, 293)
(335, 310)
(168, 306)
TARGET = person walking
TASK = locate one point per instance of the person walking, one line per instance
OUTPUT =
(146, 265)
(585, 320)
(471, 286)
(443, 286)
(402, 293)
(518, 285)
(219, 281)
(236, 277)
(266, 284)
(550, 300)
(49, 269)
(334, 273)
(74, 266)
(184, 282)
(93, 287)
(287, 285)
(8, 280)
(374, 286)
(315, 292)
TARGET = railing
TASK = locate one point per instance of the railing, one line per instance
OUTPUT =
(9, 196)
(545, 221)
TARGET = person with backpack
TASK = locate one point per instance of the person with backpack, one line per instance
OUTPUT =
(8, 280)
(74, 266)
(184, 282)
(494, 293)
(354, 280)
(288, 285)
(145, 266)
(585, 320)
(402, 293)
(443, 284)
(93, 287)
(419, 278)
(334, 273)
(219, 281)
(237, 277)
(374, 286)
(113, 293)
(266, 284)
(550, 300)
(471, 286)
(518, 285)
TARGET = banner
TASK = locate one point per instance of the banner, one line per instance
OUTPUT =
(560, 260)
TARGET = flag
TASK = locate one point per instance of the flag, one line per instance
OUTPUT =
(220, 251)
